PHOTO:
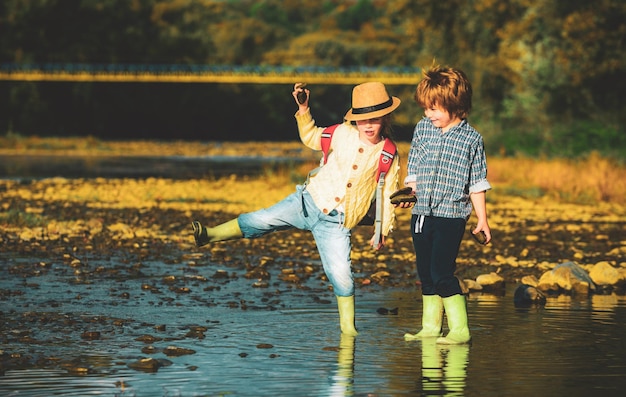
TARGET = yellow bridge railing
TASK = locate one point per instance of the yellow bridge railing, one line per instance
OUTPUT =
(205, 74)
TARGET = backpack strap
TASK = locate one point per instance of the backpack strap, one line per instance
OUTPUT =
(386, 158)
(327, 136)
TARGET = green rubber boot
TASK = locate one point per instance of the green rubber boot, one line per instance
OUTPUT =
(345, 305)
(456, 312)
(432, 318)
(226, 231)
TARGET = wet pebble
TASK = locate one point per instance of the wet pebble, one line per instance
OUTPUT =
(90, 335)
(291, 278)
(78, 370)
(258, 273)
(146, 365)
(385, 311)
(196, 332)
(148, 338)
(177, 351)
(527, 295)
(149, 350)
(180, 290)
(169, 279)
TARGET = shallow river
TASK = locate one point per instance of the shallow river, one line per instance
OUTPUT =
(79, 337)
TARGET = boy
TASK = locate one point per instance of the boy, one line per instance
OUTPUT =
(447, 170)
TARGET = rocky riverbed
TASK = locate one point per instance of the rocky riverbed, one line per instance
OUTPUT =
(127, 242)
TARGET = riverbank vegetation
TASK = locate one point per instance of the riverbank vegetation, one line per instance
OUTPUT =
(587, 179)
(546, 75)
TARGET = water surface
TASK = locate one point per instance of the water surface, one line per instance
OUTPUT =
(284, 340)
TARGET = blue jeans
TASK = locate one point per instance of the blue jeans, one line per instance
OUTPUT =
(298, 210)
(436, 242)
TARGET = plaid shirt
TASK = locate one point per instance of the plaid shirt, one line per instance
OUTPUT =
(447, 168)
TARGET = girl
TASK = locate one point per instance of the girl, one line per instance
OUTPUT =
(336, 196)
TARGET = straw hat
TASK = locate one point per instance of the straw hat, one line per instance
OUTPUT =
(371, 100)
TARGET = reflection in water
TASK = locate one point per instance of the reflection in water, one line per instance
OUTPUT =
(444, 368)
(342, 380)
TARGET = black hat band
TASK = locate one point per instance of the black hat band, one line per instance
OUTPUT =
(370, 109)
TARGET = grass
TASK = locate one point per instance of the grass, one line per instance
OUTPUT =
(21, 218)
(587, 180)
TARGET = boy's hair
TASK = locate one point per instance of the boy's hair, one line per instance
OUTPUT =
(447, 88)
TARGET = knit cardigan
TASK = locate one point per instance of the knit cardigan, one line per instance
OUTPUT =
(348, 179)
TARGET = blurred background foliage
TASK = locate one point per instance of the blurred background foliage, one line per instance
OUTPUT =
(548, 75)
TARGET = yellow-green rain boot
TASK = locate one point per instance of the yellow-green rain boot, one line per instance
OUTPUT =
(456, 312)
(226, 231)
(345, 304)
(432, 318)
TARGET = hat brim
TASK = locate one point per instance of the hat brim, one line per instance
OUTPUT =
(372, 115)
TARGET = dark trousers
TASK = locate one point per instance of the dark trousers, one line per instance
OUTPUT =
(436, 242)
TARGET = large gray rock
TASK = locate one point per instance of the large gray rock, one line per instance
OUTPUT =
(566, 277)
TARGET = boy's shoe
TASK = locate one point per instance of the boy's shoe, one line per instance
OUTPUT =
(199, 234)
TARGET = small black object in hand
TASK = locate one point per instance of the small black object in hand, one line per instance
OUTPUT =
(479, 237)
(404, 195)
(301, 95)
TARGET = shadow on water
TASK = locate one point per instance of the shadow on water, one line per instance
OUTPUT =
(75, 337)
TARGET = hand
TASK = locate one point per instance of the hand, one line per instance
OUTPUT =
(377, 244)
(482, 227)
(404, 198)
(404, 205)
(301, 95)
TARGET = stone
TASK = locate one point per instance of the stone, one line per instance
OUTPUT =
(604, 274)
(491, 281)
(566, 277)
(530, 280)
(528, 295)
